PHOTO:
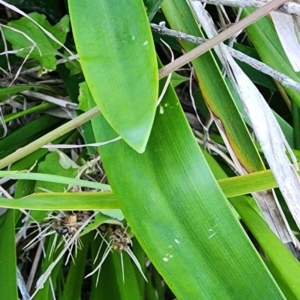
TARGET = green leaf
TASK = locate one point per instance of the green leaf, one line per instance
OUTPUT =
(54, 179)
(56, 163)
(8, 270)
(50, 256)
(118, 59)
(129, 286)
(283, 265)
(44, 48)
(64, 201)
(177, 79)
(214, 89)
(231, 187)
(103, 287)
(179, 215)
(152, 7)
(72, 287)
(13, 90)
(280, 261)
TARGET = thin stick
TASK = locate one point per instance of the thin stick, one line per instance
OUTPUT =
(288, 8)
(254, 63)
(37, 144)
(186, 58)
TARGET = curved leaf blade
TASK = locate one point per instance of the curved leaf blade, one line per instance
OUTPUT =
(119, 63)
(179, 215)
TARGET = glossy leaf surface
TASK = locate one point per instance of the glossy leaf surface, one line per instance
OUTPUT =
(118, 60)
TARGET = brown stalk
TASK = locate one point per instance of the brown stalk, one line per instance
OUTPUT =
(186, 58)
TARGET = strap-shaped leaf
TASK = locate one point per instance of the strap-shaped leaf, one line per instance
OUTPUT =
(117, 54)
(8, 255)
(179, 215)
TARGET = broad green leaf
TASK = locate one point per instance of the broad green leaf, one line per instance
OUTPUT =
(280, 261)
(180, 216)
(220, 102)
(282, 264)
(35, 41)
(119, 64)
(214, 89)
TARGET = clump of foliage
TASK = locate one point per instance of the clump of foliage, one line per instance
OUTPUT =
(116, 184)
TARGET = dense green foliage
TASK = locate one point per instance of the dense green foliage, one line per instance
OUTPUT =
(150, 206)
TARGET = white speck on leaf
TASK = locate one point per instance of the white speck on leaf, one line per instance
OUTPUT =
(213, 234)
(145, 43)
(212, 231)
(133, 37)
(161, 110)
(176, 241)
(167, 257)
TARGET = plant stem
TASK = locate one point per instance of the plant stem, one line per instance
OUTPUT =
(22, 152)
(186, 58)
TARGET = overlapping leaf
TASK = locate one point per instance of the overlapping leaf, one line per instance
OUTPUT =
(119, 63)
